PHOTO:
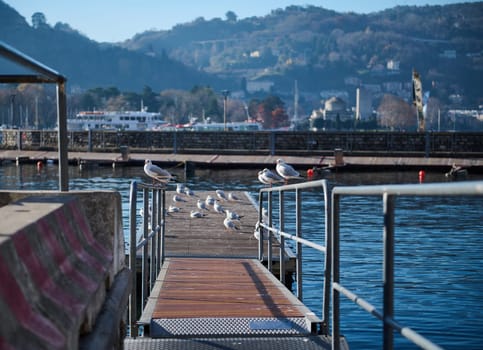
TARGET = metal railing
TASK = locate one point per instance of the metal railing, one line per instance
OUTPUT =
(149, 246)
(44, 75)
(266, 226)
(388, 194)
(332, 282)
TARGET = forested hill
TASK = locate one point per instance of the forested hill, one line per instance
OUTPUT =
(87, 63)
(319, 48)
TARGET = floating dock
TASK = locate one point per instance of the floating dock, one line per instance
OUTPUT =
(212, 291)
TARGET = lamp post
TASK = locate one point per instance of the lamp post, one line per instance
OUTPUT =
(225, 99)
(12, 100)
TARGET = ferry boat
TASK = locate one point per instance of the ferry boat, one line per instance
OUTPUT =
(116, 120)
(232, 126)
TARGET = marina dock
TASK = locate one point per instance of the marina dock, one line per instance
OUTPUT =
(213, 291)
(250, 160)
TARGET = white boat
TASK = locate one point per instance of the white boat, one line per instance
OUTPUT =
(116, 120)
(233, 126)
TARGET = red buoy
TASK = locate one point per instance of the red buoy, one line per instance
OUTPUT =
(310, 172)
(40, 165)
(422, 174)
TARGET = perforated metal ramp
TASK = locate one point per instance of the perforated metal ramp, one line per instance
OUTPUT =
(236, 343)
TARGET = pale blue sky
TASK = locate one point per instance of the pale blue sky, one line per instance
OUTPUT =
(117, 20)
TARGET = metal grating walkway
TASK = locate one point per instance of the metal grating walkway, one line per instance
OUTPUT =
(236, 343)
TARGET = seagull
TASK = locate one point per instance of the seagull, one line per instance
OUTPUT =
(233, 197)
(189, 192)
(286, 170)
(268, 177)
(156, 173)
(173, 209)
(202, 205)
(257, 230)
(196, 214)
(232, 215)
(180, 188)
(218, 208)
(210, 200)
(230, 225)
(178, 199)
(221, 195)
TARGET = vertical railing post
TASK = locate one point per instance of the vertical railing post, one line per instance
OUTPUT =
(260, 229)
(163, 223)
(62, 137)
(335, 273)
(145, 270)
(281, 225)
(159, 231)
(298, 234)
(153, 240)
(388, 337)
(328, 257)
(132, 259)
(270, 224)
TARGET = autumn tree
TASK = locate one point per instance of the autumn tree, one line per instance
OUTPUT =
(271, 112)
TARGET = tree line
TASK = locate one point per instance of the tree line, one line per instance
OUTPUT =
(34, 106)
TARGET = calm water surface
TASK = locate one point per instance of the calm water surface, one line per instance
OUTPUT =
(439, 248)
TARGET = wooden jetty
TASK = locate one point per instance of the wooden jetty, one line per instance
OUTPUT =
(212, 291)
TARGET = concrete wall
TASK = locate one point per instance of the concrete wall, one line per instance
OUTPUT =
(60, 256)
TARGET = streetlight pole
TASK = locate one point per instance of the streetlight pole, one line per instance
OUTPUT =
(225, 99)
(12, 100)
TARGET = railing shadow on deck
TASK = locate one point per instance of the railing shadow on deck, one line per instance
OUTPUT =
(332, 284)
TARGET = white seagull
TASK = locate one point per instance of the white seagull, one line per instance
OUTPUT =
(230, 225)
(286, 170)
(156, 173)
(221, 195)
(178, 199)
(180, 188)
(233, 197)
(268, 177)
(196, 214)
(232, 215)
(218, 208)
(173, 209)
(210, 200)
(189, 192)
(202, 205)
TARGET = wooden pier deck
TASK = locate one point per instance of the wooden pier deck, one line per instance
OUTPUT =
(212, 292)
(207, 236)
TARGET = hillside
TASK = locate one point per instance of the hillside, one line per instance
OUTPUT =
(322, 50)
(88, 64)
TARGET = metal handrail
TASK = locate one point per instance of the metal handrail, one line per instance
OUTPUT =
(266, 225)
(151, 244)
(45, 75)
(388, 194)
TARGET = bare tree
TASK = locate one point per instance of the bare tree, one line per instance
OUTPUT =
(396, 114)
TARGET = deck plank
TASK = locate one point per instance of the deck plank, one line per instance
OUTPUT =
(201, 287)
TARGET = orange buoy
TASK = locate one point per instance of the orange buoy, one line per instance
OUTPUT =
(422, 174)
(310, 172)
(40, 165)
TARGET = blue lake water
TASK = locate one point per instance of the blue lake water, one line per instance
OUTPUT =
(439, 248)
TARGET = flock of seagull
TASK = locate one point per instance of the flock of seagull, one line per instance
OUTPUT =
(282, 174)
